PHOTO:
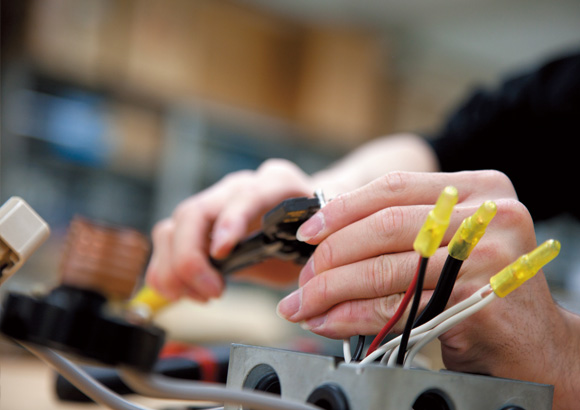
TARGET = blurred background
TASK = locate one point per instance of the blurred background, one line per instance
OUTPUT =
(119, 109)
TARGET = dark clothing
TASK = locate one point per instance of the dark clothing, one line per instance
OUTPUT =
(528, 128)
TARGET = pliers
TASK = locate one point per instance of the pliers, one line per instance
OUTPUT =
(277, 237)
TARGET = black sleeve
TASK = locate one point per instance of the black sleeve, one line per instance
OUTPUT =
(528, 128)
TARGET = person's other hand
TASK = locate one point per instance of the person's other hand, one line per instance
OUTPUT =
(212, 222)
(364, 261)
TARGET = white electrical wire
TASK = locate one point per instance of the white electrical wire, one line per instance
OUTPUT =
(455, 309)
(346, 350)
(445, 326)
(81, 379)
(390, 357)
(163, 387)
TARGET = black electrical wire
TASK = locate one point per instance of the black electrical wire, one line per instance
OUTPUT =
(442, 291)
(413, 312)
(359, 348)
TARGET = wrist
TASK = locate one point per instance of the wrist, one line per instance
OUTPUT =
(567, 369)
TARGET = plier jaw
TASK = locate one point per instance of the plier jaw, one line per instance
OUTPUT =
(277, 237)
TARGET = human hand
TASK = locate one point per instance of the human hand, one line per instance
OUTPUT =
(212, 222)
(365, 260)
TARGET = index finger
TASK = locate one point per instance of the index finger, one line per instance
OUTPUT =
(400, 189)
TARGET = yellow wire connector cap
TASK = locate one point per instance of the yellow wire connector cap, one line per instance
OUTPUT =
(431, 234)
(471, 230)
(525, 267)
(149, 300)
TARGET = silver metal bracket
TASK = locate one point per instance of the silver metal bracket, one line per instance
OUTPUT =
(334, 385)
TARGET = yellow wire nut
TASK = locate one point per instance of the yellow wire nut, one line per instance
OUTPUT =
(471, 230)
(525, 267)
(431, 234)
(149, 299)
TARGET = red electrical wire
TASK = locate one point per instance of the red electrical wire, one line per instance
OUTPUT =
(387, 328)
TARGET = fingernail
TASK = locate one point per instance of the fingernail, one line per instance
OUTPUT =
(290, 305)
(314, 323)
(311, 227)
(208, 284)
(307, 272)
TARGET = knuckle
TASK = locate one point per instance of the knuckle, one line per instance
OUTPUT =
(514, 213)
(395, 181)
(379, 278)
(279, 167)
(274, 163)
(387, 306)
(184, 208)
(323, 256)
(321, 290)
(338, 206)
(188, 266)
(161, 229)
(387, 221)
(493, 179)
(236, 176)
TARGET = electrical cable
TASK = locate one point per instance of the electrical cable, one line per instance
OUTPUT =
(503, 283)
(163, 387)
(158, 386)
(426, 243)
(346, 350)
(474, 298)
(442, 291)
(460, 247)
(358, 350)
(397, 316)
(414, 307)
(77, 376)
(446, 325)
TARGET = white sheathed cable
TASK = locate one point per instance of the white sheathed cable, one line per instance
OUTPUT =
(474, 298)
(346, 350)
(446, 325)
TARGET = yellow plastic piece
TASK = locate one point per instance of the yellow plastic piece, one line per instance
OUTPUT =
(471, 230)
(431, 234)
(525, 267)
(149, 299)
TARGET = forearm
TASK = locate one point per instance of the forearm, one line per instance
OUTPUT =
(400, 152)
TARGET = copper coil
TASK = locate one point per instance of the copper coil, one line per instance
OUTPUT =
(106, 259)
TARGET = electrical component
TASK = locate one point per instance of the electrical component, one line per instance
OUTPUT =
(426, 243)
(103, 258)
(100, 264)
(22, 231)
(466, 237)
(471, 230)
(416, 332)
(507, 280)
(414, 307)
(446, 325)
(432, 231)
(526, 266)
